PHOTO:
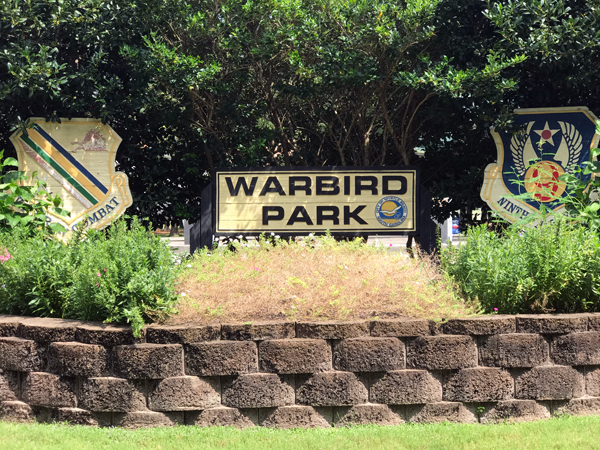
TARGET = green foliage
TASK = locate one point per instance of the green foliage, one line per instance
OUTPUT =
(560, 39)
(24, 205)
(552, 268)
(195, 85)
(118, 275)
(338, 81)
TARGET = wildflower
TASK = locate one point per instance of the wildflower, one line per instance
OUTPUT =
(3, 286)
(256, 268)
(183, 294)
(277, 236)
(97, 284)
(105, 270)
(495, 309)
(6, 256)
(390, 245)
(99, 274)
(310, 234)
(188, 266)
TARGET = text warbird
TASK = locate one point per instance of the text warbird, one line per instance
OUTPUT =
(304, 200)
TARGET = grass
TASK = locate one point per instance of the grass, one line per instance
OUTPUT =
(558, 433)
(313, 279)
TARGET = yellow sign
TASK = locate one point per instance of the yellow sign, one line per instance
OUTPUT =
(304, 200)
(76, 158)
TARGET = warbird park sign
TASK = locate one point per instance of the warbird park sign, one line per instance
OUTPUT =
(304, 201)
(76, 158)
(296, 201)
(554, 142)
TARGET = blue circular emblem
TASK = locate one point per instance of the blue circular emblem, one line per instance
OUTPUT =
(391, 211)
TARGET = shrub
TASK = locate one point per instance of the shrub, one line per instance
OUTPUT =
(118, 275)
(552, 268)
(24, 201)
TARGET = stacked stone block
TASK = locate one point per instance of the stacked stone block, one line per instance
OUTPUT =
(305, 374)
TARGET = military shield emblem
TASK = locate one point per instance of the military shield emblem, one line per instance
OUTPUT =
(554, 141)
(76, 158)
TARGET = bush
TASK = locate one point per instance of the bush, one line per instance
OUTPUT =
(118, 275)
(25, 202)
(552, 268)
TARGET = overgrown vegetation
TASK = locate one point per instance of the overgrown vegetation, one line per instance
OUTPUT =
(313, 278)
(123, 274)
(24, 201)
(190, 84)
(554, 267)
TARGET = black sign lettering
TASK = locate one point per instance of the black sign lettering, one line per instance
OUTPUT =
(304, 187)
(333, 211)
(241, 182)
(353, 215)
(360, 186)
(276, 187)
(266, 216)
(300, 215)
(346, 185)
(324, 188)
(385, 188)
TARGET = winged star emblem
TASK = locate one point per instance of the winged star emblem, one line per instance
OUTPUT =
(553, 141)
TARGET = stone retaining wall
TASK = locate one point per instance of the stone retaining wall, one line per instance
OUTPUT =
(286, 374)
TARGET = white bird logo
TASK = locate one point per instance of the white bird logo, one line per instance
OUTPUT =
(390, 212)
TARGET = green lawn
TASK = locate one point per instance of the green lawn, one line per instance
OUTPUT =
(559, 433)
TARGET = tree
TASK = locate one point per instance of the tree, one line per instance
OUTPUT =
(63, 59)
(559, 39)
(195, 85)
(308, 82)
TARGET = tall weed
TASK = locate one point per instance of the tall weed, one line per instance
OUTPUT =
(118, 275)
(554, 267)
(312, 278)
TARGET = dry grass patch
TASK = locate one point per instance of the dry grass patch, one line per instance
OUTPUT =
(313, 279)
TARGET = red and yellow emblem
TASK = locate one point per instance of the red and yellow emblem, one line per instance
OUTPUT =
(542, 181)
